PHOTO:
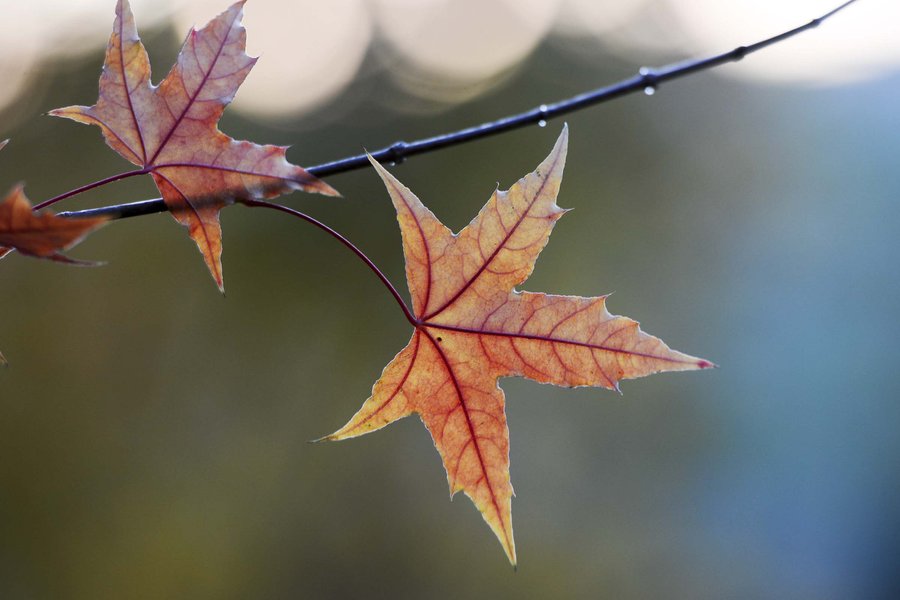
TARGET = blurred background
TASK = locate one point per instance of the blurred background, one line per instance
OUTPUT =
(153, 434)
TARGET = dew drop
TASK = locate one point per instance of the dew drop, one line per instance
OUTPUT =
(649, 90)
(542, 123)
(542, 108)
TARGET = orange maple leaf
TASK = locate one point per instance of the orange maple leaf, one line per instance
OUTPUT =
(472, 327)
(40, 235)
(171, 129)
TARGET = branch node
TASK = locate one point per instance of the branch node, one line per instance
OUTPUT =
(649, 79)
(396, 153)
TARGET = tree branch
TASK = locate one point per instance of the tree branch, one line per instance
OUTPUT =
(647, 79)
(350, 245)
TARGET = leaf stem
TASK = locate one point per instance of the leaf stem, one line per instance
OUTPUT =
(359, 253)
(399, 151)
(91, 186)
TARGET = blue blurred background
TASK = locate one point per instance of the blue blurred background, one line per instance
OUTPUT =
(153, 433)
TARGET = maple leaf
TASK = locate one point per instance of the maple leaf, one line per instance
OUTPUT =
(171, 129)
(472, 327)
(40, 235)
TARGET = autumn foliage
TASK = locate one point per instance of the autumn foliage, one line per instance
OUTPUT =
(170, 130)
(471, 326)
(39, 235)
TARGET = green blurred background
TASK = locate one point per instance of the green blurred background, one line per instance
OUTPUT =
(153, 434)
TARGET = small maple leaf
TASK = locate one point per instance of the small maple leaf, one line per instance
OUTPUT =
(171, 129)
(40, 235)
(472, 327)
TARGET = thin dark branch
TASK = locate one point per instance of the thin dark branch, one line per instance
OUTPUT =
(646, 78)
(90, 186)
(362, 256)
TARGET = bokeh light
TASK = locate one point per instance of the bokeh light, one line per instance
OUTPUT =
(593, 18)
(447, 47)
(41, 31)
(452, 50)
(861, 43)
(308, 50)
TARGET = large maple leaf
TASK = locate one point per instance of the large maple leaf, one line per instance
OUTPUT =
(472, 327)
(171, 129)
